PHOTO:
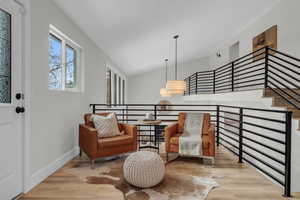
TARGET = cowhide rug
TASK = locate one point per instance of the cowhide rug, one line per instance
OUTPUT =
(185, 179)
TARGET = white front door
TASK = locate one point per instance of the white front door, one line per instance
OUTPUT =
(11, 145)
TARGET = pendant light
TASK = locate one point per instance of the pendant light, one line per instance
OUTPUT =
(176, 86)
(163, 91)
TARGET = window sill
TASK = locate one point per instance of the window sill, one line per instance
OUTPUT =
(66, 90)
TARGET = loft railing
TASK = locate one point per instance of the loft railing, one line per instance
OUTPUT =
(264, 68)
(259, 137)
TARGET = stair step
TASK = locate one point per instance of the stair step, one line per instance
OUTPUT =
(296, 112)
(271, 93)
(280, 102)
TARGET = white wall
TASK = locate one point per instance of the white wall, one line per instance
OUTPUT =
(144, 87)
(285, 15)
(55, 115)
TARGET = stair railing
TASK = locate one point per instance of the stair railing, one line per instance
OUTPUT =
(264, 68)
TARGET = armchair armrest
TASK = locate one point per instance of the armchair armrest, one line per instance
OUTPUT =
(210, 135)
(88, 140)
(131, 130)
(170, 130)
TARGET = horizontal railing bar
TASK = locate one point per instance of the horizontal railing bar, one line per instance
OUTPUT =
(203, 76)
(279, 70)
(222, 68)
(228, 124)
(265, 163)
(230, 131)
(254, 75)
(252, 66)
(229, 112)
(222, 79)
(258, 50)
(230, 137)
(257, 109)
(228, 142)
(264, 171)
(259, 79)
(281, 65)
(228, 149)
(223, 72)
(120, 109)
(292, 97)
(227, 81)
(251, 85)
(229, 118)
(296, 86)
(237, 72)
(224, 89)
(251, 76)
(264, 127)
(221, 86)
(263, 153)
(264, 136)
(264, 145)
(263, 118)
(284, 54)
(206, 71)
(286, 99)
(288, 62)
(254, 56)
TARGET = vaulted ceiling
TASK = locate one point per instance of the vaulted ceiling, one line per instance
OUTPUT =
(137, 34)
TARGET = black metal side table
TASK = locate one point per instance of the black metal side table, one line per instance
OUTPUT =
(151, 139)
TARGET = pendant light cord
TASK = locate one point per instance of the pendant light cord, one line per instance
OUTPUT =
(176, 37)
(166, 60)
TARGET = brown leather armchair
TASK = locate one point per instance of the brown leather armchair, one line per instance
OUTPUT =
(173, 131)
(96, 147)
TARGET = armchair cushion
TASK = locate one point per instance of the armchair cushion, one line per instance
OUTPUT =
(107, 126)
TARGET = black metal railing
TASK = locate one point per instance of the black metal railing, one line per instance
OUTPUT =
(259, 137)
(264, 68)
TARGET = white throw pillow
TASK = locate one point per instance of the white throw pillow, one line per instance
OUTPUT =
(106, 126)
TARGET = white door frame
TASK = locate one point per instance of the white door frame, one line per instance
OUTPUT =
(26, 62)
(26, 88)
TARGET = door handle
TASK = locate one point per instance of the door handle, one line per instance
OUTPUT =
(20, 109)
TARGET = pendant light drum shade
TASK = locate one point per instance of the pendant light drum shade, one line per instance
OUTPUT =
(176, 86)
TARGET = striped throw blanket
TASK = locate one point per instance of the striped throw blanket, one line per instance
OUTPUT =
(190, 142)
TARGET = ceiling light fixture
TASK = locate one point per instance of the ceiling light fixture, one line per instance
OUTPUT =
(176, 86)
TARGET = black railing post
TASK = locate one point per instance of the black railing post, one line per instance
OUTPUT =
(196, 82)
(232, 76)
(189, 85)
(126, 114)
(214, 82)
(241, 136)
(288, 144)
(218, 125)
(266, 66)
(155, 112)
(94, 108)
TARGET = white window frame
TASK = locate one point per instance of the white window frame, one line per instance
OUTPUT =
(79, 60)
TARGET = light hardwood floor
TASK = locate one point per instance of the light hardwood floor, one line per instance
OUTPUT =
(237, 182)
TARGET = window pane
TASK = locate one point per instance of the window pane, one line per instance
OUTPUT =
(55, 63)
(5, 57)
(70, 67)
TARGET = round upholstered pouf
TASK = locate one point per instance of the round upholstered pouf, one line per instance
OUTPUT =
(144, 169)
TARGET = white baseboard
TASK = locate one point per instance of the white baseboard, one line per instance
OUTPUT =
(43, 173)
